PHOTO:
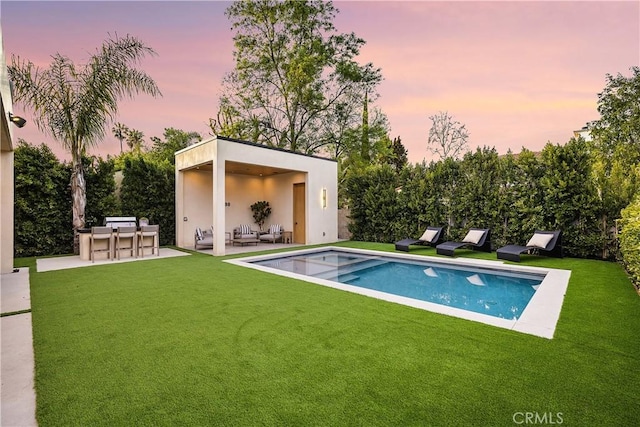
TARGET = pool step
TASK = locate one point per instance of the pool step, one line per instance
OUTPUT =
(346, 274)
(346, 278)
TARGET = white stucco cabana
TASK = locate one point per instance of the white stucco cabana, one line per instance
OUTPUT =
(217, 180)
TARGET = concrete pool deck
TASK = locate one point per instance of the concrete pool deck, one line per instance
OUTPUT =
(539, 318)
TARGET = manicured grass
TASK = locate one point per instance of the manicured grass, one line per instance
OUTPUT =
(196, 341)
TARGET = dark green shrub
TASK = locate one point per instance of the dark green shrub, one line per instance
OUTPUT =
(630, 240)
(102, 200)
(374, 204)
(570, 202)
(148, 190)
(42, 216)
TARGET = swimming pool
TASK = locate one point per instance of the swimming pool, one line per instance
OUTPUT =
(521, 298)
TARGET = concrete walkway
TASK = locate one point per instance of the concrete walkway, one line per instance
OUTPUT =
(235, 250)
(74, 261)
(18, 407)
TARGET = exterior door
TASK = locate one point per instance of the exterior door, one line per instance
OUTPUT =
(299, 214)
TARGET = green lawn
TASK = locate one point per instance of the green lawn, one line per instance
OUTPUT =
(196, 341)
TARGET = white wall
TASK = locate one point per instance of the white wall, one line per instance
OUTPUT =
(241, 192)
(198, 199)
(194, 196)
(6, 168)
(279, 194)
(244, 190)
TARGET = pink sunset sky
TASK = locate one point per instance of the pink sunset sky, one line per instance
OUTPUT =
(517, 74)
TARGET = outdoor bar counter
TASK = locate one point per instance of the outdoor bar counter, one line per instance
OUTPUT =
(84, 236)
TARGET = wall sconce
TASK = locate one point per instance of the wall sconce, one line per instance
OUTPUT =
(324, 198)
(17, 120)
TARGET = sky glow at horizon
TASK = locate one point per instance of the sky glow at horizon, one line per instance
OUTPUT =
(517, 74)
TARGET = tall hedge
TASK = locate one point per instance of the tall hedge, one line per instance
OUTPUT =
(43, 199)
(570, 202)
(512, 195)
(42, 215)
(630, 240)
(376, 208)
(148, 190)
(102, 200)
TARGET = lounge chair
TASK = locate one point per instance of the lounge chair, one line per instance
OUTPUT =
(203, 238)
(431, 237)
(548, 243)
(478, 239)
(274, 234)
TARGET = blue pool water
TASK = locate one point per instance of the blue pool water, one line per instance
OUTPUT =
(498, 293)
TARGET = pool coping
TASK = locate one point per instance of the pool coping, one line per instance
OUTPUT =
(539, 318)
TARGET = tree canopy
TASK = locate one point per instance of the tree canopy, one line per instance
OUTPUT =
(616, 141)
(296, 82)
(617, 131)
(447, 137)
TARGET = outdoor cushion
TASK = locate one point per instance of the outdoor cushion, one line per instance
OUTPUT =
(428, 235)
(473, 236)
(199, 233)
(540, 240)
(274, 229)
(245, 229)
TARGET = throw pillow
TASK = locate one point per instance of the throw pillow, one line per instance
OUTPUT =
(473, 236)
(428, 236)
(540, 240)
(199, 233)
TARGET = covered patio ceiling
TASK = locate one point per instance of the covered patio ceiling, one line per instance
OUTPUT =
(244, 169)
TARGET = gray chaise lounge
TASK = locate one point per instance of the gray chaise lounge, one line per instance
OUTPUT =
(478, 239)
(540, 242)
(428, 238)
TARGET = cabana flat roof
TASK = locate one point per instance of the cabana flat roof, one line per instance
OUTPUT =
(255, 144)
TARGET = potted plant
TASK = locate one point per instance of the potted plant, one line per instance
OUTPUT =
(261, 211)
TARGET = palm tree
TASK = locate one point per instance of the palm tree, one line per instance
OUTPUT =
(120, 132)
(74, 104)
(135, 140)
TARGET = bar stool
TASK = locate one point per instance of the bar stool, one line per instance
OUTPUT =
(149, 232)
(127, 234)
(100, 234)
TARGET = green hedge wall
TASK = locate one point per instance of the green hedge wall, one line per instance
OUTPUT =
(630, 240)
(42, 210)
(43, 218)
(512, 195)
(148, 190)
